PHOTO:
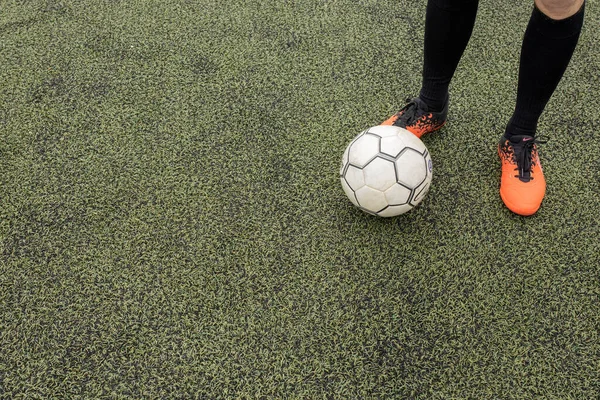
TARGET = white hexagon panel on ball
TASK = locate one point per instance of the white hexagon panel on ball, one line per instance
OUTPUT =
(380, 174)
(371, 199)
(363, 150)
(354, 177)
(384, 130)
(411, 168)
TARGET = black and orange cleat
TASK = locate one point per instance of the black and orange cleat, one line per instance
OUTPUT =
(416, 118)
(522, 185)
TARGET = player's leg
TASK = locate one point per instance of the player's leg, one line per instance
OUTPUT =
(548, 44)
(448, 27)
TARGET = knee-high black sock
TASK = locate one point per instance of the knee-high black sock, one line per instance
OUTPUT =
(546, 51)
(448, 27)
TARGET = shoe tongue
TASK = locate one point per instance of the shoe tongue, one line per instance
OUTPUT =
(520, 138)
(421, 105)
(523, 155)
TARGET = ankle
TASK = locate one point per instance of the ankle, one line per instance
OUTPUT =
(436, 102)
(515, 128)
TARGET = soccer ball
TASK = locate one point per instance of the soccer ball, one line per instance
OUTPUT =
(386, 171)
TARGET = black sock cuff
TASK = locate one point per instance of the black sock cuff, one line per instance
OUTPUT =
(521, 126)
(558, 29)
(435, 101)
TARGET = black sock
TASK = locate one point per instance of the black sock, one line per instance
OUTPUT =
(448, 27)
(546, 51)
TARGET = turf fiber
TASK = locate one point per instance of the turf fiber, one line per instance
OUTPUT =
(172, 223)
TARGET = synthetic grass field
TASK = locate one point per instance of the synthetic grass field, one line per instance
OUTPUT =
(172, 223)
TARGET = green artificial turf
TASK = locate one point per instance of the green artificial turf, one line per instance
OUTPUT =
(172, 223)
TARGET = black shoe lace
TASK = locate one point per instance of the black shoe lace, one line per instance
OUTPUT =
(408, 113)
(523, 157)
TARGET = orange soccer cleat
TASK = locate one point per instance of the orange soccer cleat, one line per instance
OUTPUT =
(522, 186)
(416, 118)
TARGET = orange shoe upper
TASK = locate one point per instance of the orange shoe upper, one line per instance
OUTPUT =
(418, 128)
(522, 191)
(416, 118)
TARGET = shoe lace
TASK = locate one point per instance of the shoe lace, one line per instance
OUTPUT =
(408, 113)
(523, 157)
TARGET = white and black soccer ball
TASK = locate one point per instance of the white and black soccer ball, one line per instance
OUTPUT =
(386, 171)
